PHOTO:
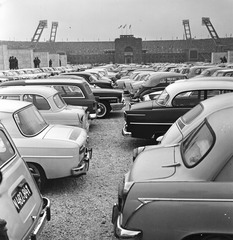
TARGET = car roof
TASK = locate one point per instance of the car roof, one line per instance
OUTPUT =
(41, 90)
(48, 81)
(12, 105)
(198, 85)
(225, 70)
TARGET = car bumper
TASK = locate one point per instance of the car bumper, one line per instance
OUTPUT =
(44, 216)
(92, 116)
(125, 132)
(83, 166)
(117, 106)
(119, 231)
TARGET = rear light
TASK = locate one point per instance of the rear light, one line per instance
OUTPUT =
(137, 151)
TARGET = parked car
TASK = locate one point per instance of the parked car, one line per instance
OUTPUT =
(181, 191)
(50, 104)
(151, 119)
(75, 92)
(90, 78)
(227, 72)
(24, 211)
(185, 124)
(157, 82)
(208, 72)
(51, 151)
(196, 70)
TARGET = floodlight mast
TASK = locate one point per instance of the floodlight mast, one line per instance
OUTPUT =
(53, 31)
(187, 30)
(39, 30)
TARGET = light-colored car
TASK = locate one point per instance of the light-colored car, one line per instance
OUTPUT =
(23, 210)
(49, 103)
(51, 151)
(183, 190)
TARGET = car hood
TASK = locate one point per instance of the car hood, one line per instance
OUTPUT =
(63, 132)
(144, 105)
(152, 164)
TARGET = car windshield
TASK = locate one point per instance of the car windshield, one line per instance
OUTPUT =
(30, 121)
(196, 146)
(163, 98)
(6, 149)
(59, 101)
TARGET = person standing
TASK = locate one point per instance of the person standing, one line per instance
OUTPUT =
(50, 63)
(35, 62)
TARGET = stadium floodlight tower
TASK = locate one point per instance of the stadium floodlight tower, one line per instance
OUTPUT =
(187, 30)
(36, 37)
(206, 22)
(53, 31)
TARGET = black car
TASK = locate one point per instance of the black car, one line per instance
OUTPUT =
(91, 79)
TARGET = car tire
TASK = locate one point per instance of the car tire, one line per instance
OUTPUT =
(104, 109)
(38, 174)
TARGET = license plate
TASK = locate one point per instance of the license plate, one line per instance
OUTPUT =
(21, 196)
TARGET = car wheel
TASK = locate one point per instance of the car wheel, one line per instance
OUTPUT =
(38, 174)
(104, 109)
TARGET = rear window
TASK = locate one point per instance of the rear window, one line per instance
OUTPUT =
(6, 149)
(197, 145)
(88, 89)
(30, 121)
(192, 114)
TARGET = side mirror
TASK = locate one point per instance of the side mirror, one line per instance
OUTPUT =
(159, 139)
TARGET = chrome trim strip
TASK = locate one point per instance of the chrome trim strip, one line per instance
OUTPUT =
(144, 123)
(148, 200)
(28, 156)
(139, 115)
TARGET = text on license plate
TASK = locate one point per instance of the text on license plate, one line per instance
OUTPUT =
(21, 196)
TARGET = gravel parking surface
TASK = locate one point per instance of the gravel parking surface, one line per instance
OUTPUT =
(82, 207)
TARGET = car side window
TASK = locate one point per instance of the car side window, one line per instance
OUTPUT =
(6, 150)
(226, 174)
(40, 102)
(72, 91)
(188, 99)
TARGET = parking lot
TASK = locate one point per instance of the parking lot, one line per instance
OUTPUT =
(81, 207)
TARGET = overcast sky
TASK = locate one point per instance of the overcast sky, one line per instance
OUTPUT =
(100, 20)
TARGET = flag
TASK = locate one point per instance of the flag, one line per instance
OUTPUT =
(125, 25)
(129, 26)
(120, 27)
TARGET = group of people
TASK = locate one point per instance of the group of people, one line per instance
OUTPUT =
(36, 62)
(13, 63)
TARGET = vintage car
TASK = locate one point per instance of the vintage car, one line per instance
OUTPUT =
(196, 70)
(185, 124)
(124, 81)
(228, 72)
(23, 210)
(91, 79)
(150, 119)
(50, 104)
(183, 190)
(208, 72)
(51, 151)
(157, 82)
(133, 85)
(75, 92)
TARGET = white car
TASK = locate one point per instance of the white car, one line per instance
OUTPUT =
(51, 151)
(49, 103)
